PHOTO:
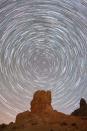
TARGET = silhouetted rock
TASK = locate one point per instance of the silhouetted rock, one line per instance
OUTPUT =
(82, 111)
(2, 126)
(82, 103)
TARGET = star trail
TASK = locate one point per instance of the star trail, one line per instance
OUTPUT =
(43, 45)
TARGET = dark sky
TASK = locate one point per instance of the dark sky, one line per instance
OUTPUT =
(43, 45)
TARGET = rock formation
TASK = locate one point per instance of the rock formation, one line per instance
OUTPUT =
(41, 102)
(42, 117)
(82, 111)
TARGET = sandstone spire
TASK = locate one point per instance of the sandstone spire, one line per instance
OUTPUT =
(41, 102)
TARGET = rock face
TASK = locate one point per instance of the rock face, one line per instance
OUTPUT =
(42, 117)
(82, 111)
(41, 102)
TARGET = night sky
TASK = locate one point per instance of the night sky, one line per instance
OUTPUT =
(43, 45)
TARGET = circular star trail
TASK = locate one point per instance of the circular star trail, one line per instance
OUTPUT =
(43, 45)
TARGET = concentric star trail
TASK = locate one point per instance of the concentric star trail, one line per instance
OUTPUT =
(43, 45)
